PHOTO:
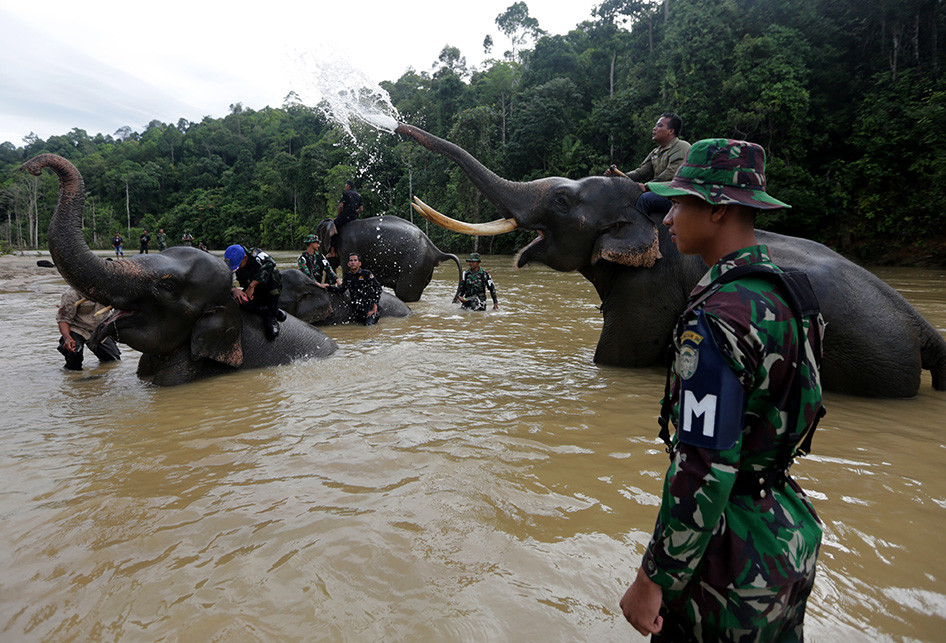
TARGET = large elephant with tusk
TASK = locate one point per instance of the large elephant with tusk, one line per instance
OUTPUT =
(175, 306)
(876, 343)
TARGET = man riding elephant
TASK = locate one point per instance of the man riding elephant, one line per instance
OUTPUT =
(260, 285)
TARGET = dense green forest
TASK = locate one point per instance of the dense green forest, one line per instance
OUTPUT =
(847, 97)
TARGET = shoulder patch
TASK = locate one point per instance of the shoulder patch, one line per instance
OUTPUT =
(712, 399)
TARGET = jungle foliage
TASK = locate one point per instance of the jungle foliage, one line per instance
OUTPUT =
(847, 97)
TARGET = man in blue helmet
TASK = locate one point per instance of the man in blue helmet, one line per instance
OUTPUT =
(260, 285)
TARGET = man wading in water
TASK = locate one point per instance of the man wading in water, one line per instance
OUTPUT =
(733, 553)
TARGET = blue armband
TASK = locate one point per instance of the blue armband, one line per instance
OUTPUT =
(712, 399)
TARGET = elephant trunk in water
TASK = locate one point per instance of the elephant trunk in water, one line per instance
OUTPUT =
(108, 282)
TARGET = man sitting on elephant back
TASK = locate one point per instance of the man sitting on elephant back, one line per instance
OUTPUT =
(260, 285)
(349, 208)
(313, 263)
(660, 165)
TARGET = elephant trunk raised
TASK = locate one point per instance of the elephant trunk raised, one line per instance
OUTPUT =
(111, 283)
(513, 200)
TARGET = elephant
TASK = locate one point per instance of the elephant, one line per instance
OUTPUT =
(876, 344)
(174, 306)
(399, 254)
(303, 298)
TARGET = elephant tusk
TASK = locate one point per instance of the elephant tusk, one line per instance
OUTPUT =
(499, 226)
(101, 312)
(81, 301)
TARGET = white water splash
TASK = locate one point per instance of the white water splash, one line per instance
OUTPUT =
(343, 93)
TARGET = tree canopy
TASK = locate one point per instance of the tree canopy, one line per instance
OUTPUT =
(847, 98)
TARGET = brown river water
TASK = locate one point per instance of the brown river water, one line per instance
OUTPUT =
(448, 476)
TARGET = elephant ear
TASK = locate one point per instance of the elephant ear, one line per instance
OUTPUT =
(218, 333)
(629, 244)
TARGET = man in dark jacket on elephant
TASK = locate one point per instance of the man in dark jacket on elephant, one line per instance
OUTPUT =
(350, 208)
(260, 285)
(364, 289)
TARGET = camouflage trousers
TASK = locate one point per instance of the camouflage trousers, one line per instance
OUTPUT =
(474, 303)
(701, 612)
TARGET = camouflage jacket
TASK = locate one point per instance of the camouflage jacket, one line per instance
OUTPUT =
(475, 284)
(317, 267)
(260, 267)
(704, 530)
(662, 163)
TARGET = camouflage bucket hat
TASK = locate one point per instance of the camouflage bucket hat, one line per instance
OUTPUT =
(311, 239)
(474, 256)
(722, 171)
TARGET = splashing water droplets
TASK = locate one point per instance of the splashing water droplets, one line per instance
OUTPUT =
(343, 93)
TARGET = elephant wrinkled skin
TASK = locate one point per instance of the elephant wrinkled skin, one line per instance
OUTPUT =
(303, 298)
(174, 306)
(875, 345)
(399, 254)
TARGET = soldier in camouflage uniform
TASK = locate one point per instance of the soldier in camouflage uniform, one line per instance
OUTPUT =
(313, 263)
(471, 293)
(733, 552)
(261, 285)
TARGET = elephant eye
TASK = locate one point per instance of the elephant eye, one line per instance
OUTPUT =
(561, 199)
(169, 287)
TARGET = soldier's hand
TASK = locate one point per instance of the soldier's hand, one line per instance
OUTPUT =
(641, 605)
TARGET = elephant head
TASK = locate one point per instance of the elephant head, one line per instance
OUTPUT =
(301, 297)
(578, 222)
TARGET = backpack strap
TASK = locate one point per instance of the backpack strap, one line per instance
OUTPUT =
(797, 291)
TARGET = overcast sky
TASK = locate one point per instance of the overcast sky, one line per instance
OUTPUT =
(99, 65)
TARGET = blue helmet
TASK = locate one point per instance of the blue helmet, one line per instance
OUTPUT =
(234, 255)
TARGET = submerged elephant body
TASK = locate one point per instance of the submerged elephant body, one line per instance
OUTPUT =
(304, 299)
(174, 306)
(399, 254)
(875, 344)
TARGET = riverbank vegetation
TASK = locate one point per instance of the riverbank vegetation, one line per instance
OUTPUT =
(847, 97)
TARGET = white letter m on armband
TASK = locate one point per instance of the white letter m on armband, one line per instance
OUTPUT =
(705, 408)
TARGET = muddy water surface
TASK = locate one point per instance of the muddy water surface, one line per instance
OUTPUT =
(449, 476)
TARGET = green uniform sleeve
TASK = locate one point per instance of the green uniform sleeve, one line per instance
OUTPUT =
(645, 171)
(674, 160)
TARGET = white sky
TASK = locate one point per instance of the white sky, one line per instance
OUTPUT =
(99, 65)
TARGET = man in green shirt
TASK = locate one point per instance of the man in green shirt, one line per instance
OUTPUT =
(660, 165)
